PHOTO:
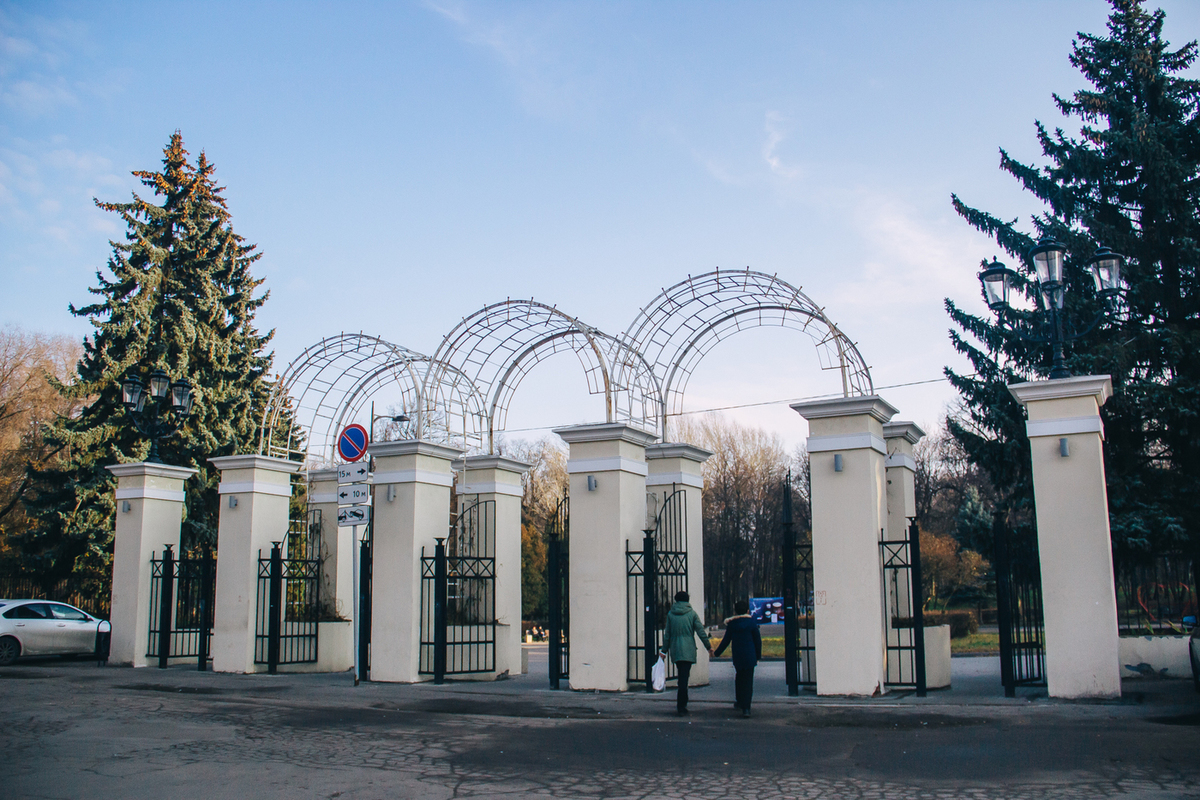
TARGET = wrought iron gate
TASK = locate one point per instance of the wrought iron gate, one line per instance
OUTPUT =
(653, 575)
(1019, 607)
(903, 613)
(558, 595)
(289, 601)
(799, 632)
(181, 606)
(458, 597)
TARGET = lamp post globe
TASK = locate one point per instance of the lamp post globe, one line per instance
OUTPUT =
(1049, 258)
(169, 405)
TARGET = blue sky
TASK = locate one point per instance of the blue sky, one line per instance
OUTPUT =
(401, 165)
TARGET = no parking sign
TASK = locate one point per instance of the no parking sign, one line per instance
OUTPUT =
(352, 444)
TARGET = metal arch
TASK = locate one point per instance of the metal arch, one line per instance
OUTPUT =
(316, 384)
(495, 348)
(676, 329)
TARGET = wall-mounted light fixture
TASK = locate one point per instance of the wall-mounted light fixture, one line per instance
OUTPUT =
(125, 507)
(391, 492)
(1064, 447)
(591, 483)
(837, 462)
(233, 501)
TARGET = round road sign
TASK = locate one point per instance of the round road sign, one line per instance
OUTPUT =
(352, 444)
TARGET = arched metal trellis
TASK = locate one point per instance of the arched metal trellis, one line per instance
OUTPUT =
(324, 388)
(493, 350)
(675, 330)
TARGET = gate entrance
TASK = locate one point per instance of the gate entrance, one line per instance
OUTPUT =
(799, 632)
(458, 598)
(653, 575)
(903, 613)
(1019, 607)
(289, 599)
(181, 607)
(558, 595)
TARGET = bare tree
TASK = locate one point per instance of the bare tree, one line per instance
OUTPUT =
(31, 366)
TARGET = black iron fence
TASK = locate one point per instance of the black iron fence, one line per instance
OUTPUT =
(654, 574)
(92, 593)
(1156, 594)
(181, 607)
(289, 604)
(458, 598)
(1019, 606)
(558, 593)
(903, 613)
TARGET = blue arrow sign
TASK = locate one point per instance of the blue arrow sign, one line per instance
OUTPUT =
(352, 444)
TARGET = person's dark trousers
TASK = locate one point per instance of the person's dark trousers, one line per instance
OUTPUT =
(684, 668)
(743, 687)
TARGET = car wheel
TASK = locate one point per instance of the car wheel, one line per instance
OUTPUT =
(10, 648)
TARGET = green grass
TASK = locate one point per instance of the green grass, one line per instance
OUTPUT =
(975, 644)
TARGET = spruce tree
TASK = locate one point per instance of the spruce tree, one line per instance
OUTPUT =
(1130, 180)
(180, 297)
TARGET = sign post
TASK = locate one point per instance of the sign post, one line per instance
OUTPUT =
(354, 497)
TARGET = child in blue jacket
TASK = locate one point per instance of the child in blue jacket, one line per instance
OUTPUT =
(741, 631)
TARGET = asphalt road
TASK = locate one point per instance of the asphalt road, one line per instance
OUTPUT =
(74, 730)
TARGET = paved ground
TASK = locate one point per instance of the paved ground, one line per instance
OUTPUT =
(73, 730)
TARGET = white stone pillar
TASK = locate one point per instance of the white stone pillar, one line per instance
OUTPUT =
(1079, 601)
(607, 468)
(255, 492)
(849, 512)
(677, 466)
(901, 471)
(149, 512)
(498, 479)
(338, 548)
(412, 510)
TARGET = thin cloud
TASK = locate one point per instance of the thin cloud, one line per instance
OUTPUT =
(770, 154)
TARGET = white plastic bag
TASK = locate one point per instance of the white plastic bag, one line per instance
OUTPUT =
(658, 673)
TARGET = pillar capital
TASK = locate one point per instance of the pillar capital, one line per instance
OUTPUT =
(604, 432)
(670, 463)
(490, 475)
(1064, 406)
(413, 461)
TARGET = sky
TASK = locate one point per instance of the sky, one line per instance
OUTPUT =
(400, 165)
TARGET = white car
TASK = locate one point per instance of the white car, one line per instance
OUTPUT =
(46, 628)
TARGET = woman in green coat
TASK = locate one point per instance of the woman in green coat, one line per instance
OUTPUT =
(680, 643)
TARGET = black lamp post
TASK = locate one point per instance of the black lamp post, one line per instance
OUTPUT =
(1048, 256)
(170, 404)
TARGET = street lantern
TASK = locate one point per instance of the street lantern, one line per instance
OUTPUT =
(133, 393)
(1106, 271)
(170, 404)
(1048, 258)
(997, 282)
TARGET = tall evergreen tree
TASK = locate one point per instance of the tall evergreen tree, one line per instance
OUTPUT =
(180, 297)
(1130, 180)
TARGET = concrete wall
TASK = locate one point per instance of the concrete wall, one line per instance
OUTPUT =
(1159, 652)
